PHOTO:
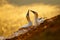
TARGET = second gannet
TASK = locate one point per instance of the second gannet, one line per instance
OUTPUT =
(38, 21)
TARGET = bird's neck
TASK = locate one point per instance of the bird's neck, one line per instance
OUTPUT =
(36, 21)
(29, 21)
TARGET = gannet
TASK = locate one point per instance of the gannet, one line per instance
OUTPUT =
(29, 21)
(37, 20)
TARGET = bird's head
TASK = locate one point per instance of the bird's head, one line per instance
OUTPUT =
(35, 13)
(27, 15)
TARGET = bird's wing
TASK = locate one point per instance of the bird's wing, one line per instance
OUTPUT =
(27, 25)
(41, 21)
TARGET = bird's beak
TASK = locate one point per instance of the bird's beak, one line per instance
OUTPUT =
(33, 11)
(27, 14)
(36, 14)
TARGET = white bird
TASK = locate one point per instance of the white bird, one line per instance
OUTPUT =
(29, 21)
(38, 21)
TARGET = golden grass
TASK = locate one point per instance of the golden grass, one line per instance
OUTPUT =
(13, 17)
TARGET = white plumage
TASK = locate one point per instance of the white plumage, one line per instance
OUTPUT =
(38, 21)
(27, 25)
(29, 21)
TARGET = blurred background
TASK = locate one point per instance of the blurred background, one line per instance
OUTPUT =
(13, 12)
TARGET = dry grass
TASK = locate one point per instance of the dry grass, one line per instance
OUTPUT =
(13, 17)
